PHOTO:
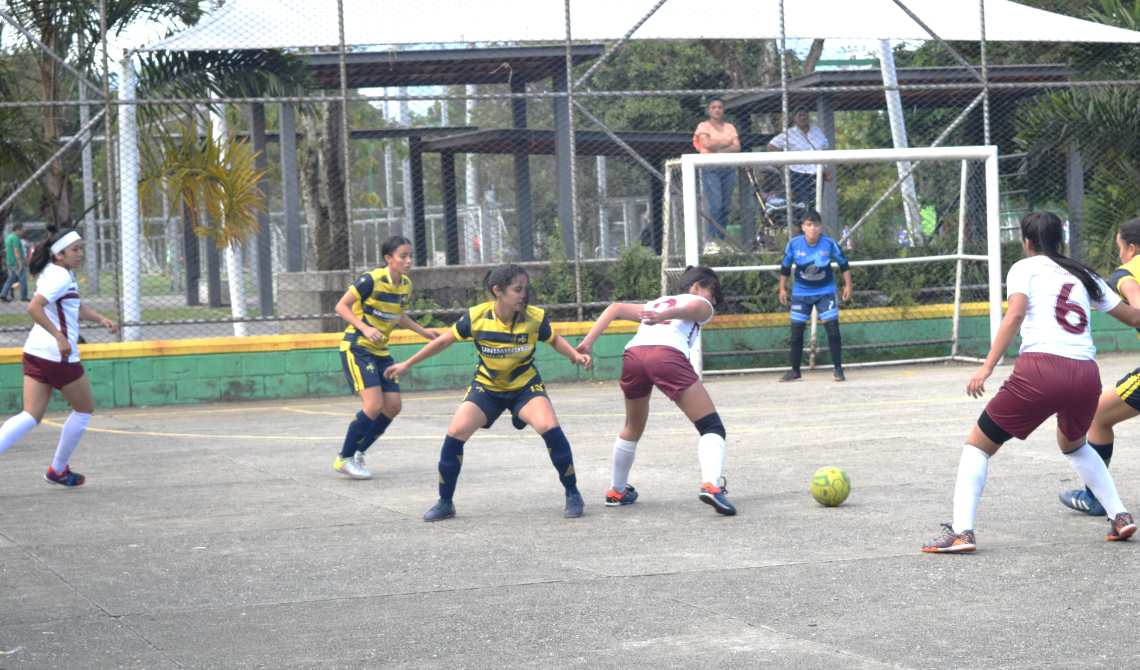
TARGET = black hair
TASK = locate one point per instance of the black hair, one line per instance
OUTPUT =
(42, 255)
(1130, 232)
(17, 227)
(800, 108)
(392, 244)
(812, 215)
(502, 277)
(703, 276)
(1046, 236)
(714, 99)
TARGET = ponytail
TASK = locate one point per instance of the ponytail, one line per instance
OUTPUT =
(1046, 235)
(42, 255)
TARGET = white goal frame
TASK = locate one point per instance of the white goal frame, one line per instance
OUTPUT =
(690, 163)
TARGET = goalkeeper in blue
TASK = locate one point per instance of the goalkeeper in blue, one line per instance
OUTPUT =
(812, 254)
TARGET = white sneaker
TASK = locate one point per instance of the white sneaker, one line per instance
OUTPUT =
(351, 467)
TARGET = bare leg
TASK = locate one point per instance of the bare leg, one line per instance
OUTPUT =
(1110, 411)
(636, 415)
(36, 398)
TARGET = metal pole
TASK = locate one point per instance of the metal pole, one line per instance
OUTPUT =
(129, 201)
(993, 242)
(107, 151)
(985, 72)
(898, 135)
(784, 119)
(347, 161)
(573, 166)
(90, 227)
(665, 228)
(961, 247)
(603, 210)
(814, 323)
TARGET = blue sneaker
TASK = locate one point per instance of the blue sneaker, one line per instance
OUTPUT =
(444, 509)
(713, 495)
(67, 477)
(626, 497)
(574, 505)
(1081, 501)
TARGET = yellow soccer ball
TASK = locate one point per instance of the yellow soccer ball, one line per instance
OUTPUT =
(830, 486)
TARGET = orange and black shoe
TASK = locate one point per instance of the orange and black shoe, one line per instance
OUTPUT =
(1122, 527)
(950, 541)
(626, 497)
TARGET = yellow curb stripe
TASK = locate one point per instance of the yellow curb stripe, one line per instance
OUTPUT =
(296, 342)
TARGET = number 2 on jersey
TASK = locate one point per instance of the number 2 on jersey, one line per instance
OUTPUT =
(1064, 308)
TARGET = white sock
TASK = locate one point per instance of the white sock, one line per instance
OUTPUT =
(73, 429)
(624, 453)
(972, 471)
(1093, 472)
(710, 451)
(15, 428)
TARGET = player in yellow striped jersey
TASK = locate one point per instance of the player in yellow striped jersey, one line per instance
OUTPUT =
(506, 332)
(373, 306)
(1123, 402)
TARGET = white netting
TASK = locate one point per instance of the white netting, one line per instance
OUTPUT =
(921, 270)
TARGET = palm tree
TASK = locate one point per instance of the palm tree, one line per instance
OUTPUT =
(63, 26)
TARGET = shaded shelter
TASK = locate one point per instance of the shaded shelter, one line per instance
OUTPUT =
(655, 147)
(516, 66)
(1008, 83)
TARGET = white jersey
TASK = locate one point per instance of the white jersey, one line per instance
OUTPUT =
(676, 333)
(57, 284)
(1057, 321)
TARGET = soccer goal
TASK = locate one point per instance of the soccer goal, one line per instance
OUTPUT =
(919, 227)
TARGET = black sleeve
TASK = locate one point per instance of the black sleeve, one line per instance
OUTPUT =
(1118, 275)
(462, 327)
(786, 270)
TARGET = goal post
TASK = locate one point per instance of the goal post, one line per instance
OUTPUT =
(692, 217)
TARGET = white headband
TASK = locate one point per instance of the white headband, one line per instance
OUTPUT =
(65, 242)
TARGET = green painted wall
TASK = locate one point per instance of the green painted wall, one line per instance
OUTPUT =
(170, 380)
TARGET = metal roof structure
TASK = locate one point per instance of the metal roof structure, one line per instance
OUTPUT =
(958, 87)
(447, 67)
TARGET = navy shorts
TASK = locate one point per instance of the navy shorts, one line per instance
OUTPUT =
(1126, 389)
(494, 403)
(827, 304)
(365, 370)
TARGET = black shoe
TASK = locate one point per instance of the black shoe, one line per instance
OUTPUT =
(5, 299)
(792, 376)
(839, 375)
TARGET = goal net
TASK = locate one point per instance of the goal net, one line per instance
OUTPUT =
(919, 227)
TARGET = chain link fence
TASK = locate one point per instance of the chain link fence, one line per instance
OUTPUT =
(234, 177)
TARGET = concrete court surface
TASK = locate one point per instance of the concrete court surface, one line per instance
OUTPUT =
(220, 537)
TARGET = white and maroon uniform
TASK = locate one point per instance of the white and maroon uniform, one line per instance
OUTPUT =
(1055, 372)
(658, 355)
(42, 360)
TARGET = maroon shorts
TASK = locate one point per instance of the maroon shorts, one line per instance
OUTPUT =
(57, 375)
(1043, 385)
(642, 368)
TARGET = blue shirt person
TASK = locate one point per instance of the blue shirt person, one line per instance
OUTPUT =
(811, 254)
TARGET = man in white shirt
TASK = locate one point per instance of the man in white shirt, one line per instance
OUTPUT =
(802, 137)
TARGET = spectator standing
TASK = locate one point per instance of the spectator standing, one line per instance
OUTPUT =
(17, 268)
(715, 136)
(802, 136)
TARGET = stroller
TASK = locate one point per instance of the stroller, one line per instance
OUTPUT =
(768, 188)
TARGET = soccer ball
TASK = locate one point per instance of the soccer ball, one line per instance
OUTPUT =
(830, 486)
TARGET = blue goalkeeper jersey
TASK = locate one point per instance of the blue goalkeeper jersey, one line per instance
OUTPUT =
(813, 274)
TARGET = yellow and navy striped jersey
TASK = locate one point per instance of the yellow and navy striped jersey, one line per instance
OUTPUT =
(1130, 270)
(380, 304)
(506, 350)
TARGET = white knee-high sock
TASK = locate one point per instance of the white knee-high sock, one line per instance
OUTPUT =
(624, 453)
(972, 470)
(710, 452)
(73, 429)
(1093, 472)
(15, 428)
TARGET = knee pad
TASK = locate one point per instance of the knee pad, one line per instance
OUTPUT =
(832, 328)
(710, 424)
(798, 328)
